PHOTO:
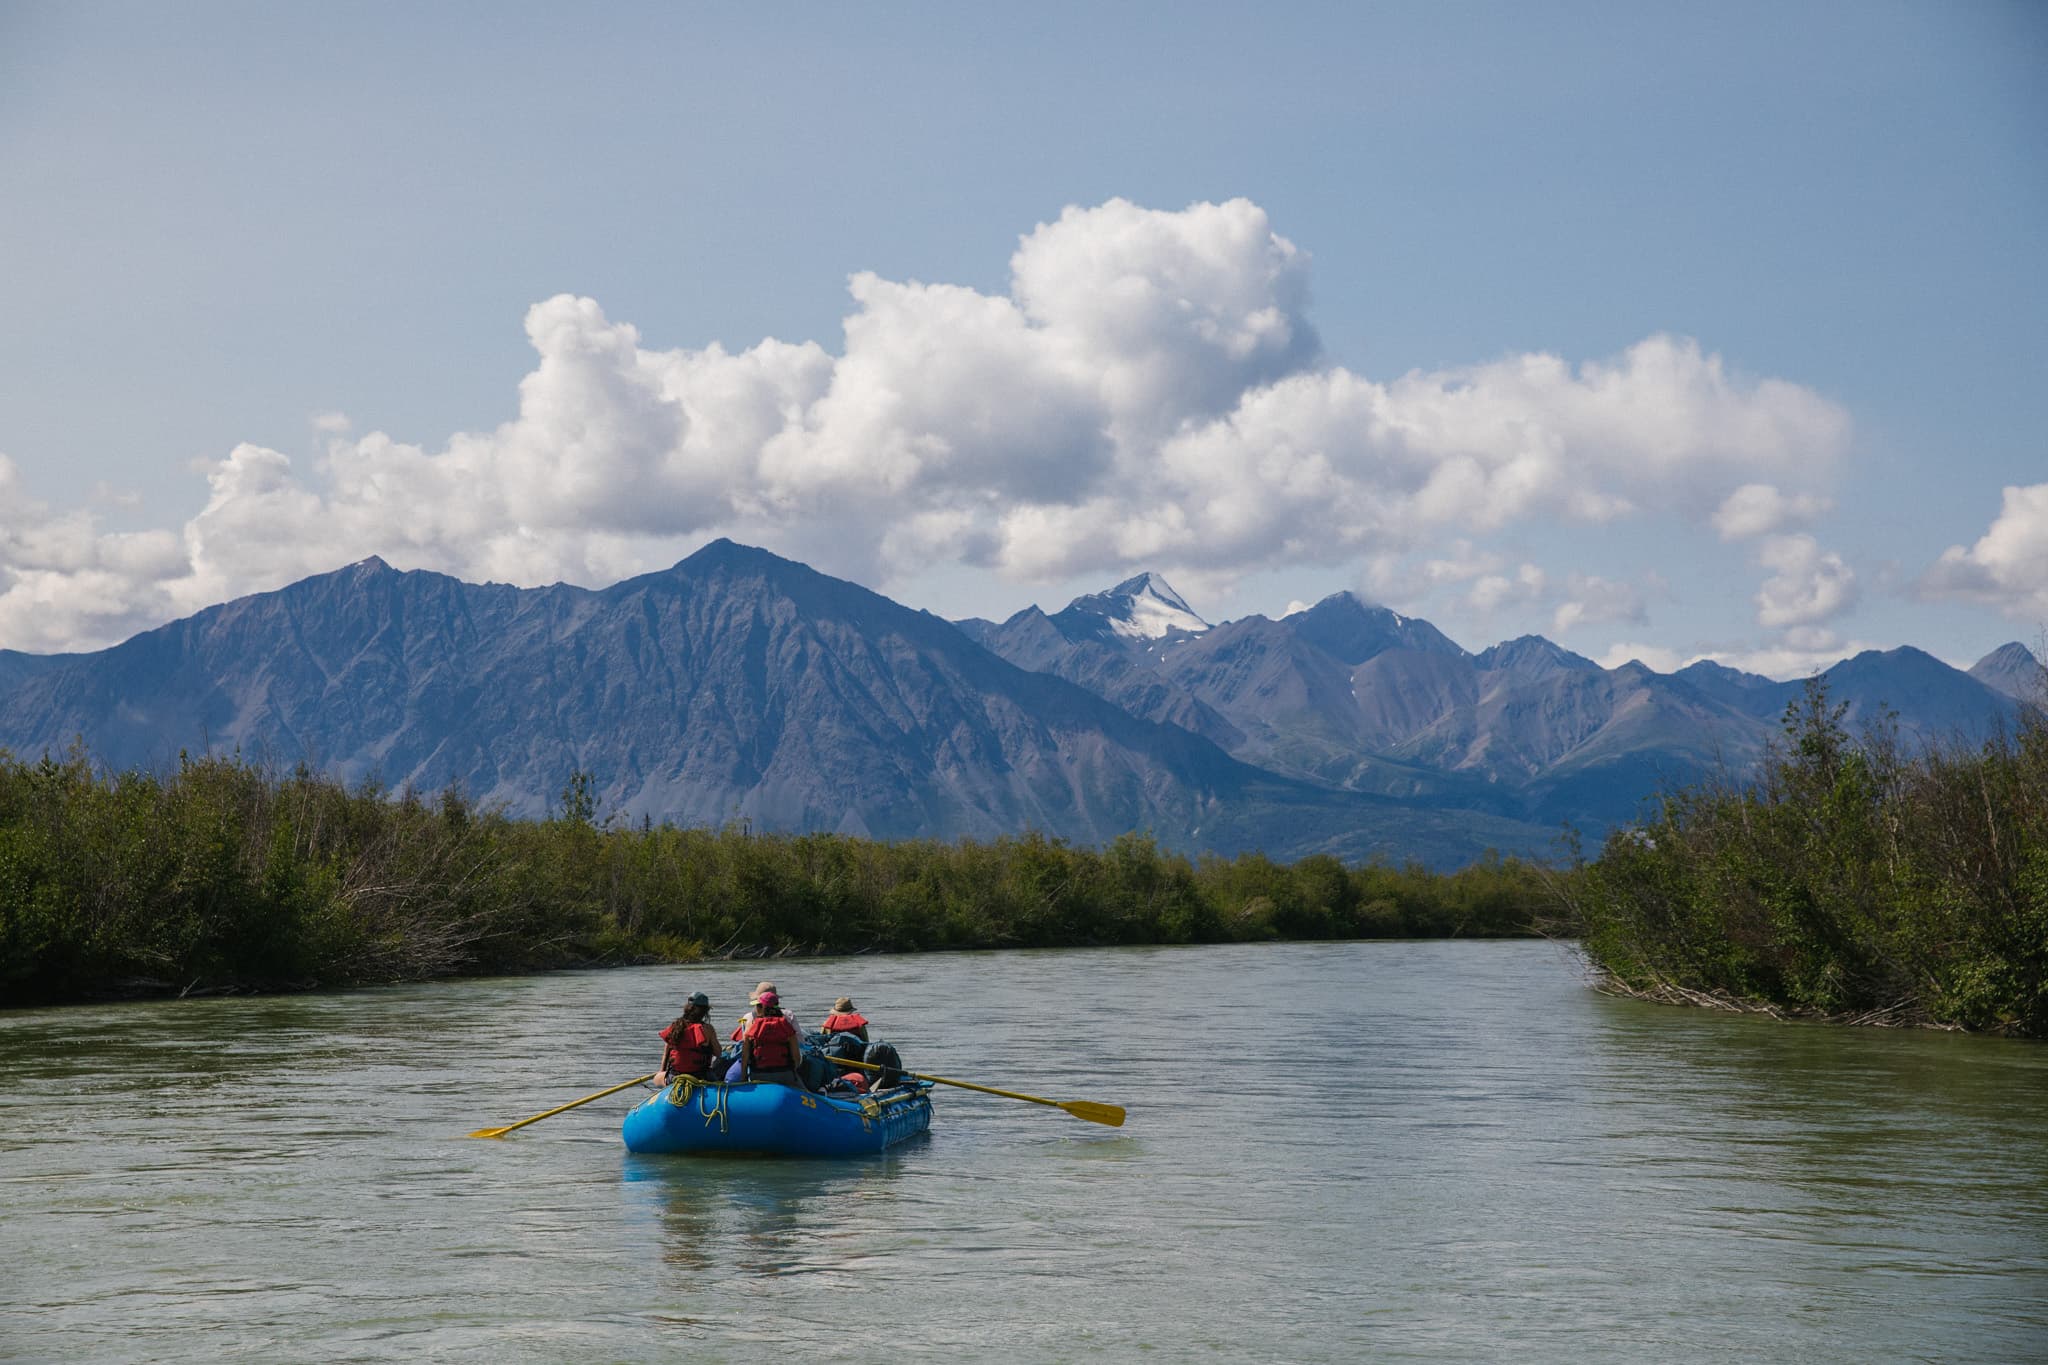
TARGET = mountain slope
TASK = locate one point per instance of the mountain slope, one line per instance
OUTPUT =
(741, 685)
(1356, 696)
(1141, 608)
(1351, 630)
(736, 684)
(1112, 666)
(2013, 670)
(1934, 702)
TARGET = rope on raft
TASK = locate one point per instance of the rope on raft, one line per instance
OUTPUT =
(687, 1088)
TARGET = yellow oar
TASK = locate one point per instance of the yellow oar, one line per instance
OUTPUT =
(500, 1132)
(1109, 1115)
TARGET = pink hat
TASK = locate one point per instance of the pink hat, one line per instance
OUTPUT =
(767, 998)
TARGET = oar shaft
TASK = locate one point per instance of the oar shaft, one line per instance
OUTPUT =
(560, 1108)
(946, 1080)
(1109, 1115)
(987, 1089)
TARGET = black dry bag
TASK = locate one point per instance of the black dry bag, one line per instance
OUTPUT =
(885, 1056)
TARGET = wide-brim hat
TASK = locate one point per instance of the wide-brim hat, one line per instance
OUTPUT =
(843, 1004)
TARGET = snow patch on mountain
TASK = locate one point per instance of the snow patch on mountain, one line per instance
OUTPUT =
(1151, 609)
(1141, 608)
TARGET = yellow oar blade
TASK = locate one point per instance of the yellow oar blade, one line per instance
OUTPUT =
(560, 1108)
(1108, 1115)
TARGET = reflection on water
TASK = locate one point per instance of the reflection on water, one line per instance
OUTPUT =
(756, 1218)
(1907, 1156)
(1397, 1151)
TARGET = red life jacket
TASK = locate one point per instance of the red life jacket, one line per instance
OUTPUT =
(774, 1041)
(690, 1053)
(844, 1023)
(858, 1080)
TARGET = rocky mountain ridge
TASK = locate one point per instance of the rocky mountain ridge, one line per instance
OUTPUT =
(734, 686)
(1354, 695)
(739, 685)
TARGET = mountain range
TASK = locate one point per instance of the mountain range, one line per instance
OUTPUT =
(740, 685)
(1355, 696)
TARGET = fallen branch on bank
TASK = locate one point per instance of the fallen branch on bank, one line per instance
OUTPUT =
(1903, 1013)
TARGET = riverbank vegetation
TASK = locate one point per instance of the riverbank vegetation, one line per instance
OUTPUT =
(1851, 879)
(222, 875)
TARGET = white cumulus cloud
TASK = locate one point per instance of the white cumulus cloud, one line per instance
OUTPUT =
(1807, 587)
(1759, 509)
(1656, 658)
(64, 583)
(1493, 591)
(1797, 653)
(2008, 566)
(1590, 600)
(1148, 392)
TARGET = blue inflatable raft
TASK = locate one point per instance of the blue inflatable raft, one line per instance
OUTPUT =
(763, 1119)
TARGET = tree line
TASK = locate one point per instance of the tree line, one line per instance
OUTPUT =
(1848, 878)
(222, 874)
(1851, 878)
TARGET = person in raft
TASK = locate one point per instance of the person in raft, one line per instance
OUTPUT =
(842, 1019)
(689, 1043)
(753, 1002)
(768, 1052)
(736, 1070)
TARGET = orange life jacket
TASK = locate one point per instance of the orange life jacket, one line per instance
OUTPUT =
(844, 1023)
(774, 1041)
(858, 1080)
(690, 1050)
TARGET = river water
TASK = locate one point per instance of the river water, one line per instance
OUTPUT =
(1334, 1152)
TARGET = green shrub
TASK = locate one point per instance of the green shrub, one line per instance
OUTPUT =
(220, 874)
(1849, 879)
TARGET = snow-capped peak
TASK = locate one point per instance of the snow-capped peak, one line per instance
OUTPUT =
(1152, 585)
(1153, 609)
(1142, 608)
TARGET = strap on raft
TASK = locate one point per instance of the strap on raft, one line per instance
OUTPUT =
(684, 1091)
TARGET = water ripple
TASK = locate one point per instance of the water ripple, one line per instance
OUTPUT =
(1398, 1151)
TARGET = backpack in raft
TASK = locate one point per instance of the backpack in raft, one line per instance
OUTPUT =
(885, 1056)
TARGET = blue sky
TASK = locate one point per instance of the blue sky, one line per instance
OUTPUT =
(1797, 249)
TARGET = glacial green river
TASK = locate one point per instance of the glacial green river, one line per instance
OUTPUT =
(1392, 1151)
